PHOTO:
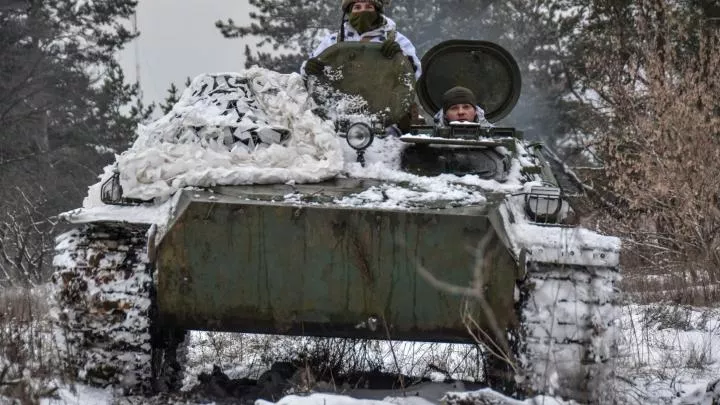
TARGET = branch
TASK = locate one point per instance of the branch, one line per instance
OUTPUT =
(19, 85)
(476, 292)
(567, 170)
(392, 351)
(576, 179)
(445, 286)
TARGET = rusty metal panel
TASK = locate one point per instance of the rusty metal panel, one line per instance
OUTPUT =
(273, 268)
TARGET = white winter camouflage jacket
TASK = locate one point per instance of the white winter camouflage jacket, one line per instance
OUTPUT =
(376, 35)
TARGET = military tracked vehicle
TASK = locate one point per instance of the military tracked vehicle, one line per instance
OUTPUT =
(505, 269)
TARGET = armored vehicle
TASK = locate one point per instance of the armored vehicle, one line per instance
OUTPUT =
(502, 267)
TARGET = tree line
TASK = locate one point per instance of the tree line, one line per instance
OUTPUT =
(64, 110)
(625, 92)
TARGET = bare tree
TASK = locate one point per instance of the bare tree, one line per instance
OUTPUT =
(660, 145)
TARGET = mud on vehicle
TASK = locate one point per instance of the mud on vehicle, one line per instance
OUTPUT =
(127, 292)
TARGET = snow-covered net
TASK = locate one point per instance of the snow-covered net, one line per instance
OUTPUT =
(256, 126)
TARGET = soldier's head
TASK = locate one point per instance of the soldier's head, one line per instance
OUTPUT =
(459, 104)
(358, 6)
(364, 15)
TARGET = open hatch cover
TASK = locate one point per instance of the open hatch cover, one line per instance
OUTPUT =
(484, 67)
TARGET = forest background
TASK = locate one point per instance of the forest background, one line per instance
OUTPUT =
(624, 93)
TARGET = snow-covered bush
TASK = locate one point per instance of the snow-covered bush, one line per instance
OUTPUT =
(28, 360)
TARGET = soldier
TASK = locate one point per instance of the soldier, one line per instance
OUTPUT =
(365, 22)
(460, 104)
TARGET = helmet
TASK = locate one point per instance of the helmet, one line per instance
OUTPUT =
(346, 4)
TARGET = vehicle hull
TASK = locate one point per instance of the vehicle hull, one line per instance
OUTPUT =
(248, 265)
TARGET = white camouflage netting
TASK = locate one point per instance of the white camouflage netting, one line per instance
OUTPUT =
(242, 122)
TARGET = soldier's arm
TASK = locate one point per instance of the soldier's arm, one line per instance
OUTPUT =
(409, 50)
(324, 44)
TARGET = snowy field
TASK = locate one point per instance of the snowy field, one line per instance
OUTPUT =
(669, 355)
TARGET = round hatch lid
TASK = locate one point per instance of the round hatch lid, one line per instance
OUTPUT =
(484, 67)
(360, 69)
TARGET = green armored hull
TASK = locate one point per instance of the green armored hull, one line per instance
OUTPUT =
(234, 262)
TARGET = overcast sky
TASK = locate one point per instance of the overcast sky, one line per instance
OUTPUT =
(178, 39)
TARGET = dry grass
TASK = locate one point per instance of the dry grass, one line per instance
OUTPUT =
(249, 355)
(660, 151)
(664, 348)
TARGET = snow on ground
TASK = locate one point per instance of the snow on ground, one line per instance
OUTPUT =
(668, 355)
(80, 394)
(413, 397)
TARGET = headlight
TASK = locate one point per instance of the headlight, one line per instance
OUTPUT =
(359, 136)
(543, 204)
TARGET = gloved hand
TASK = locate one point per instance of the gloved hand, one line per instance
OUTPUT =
(314, 66)
(389, 48)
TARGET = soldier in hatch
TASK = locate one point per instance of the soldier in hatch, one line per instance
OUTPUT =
(363, 20)
(460, 105)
